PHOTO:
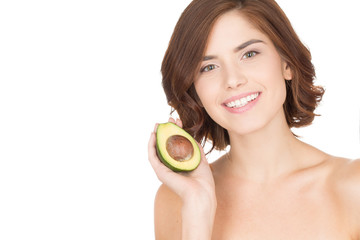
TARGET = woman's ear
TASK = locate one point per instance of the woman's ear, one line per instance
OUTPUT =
(287, 73)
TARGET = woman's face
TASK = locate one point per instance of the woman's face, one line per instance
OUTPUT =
(241, 82)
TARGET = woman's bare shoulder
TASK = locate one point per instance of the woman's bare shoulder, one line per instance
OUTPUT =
(346, 172)
(346, 177)
(167, 215)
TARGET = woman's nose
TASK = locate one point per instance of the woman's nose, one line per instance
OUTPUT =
(234, 77)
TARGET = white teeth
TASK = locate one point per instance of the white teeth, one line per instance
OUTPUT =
(242, 101)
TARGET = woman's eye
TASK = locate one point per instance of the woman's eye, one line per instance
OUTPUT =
(250, 54)
(208, 68)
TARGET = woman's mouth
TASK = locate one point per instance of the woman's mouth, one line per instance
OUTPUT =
(242, 102)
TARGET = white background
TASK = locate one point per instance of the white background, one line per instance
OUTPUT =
(80, 91)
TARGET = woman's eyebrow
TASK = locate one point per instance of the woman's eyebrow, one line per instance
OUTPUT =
(247, 43)
(240, 47)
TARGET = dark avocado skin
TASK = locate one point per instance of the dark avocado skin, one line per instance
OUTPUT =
(163, 160)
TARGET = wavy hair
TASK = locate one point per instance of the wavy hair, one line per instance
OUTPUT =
(186, 50)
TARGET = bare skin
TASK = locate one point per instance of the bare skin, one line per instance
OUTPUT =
(310, 203)
(317, 202)
(270, 185)
(193, 196)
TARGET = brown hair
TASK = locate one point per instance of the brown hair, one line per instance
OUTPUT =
(182, 59)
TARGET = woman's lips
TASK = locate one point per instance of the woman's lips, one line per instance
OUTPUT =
(242, 102)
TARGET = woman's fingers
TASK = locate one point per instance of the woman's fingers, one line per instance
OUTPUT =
(172, 120)
(155, 127)
(152, 152)
(177, 121)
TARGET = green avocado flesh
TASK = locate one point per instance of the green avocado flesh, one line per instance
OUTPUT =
(176, 148)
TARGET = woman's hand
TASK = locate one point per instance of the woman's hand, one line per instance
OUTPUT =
(196, 190)
(185, 184)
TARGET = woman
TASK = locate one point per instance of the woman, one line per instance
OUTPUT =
(238, 75)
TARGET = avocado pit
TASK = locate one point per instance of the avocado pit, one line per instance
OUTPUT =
(179, 148)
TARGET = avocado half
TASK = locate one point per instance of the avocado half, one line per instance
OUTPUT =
(176, 148)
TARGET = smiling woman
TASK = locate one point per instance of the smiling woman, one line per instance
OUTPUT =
(302, 97)
(238, 75)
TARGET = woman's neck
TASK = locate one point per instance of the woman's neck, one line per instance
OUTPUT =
(267, 154)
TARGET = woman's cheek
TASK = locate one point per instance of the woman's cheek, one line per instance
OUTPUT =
(206, 89)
